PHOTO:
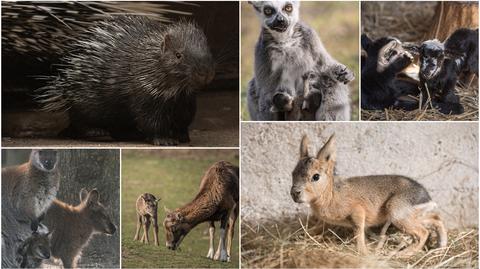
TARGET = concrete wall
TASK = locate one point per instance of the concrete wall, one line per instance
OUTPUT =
(442, 156)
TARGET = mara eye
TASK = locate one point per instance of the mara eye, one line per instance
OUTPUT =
(288, 8)
(178, 55)
(268, 11)
(316, 177)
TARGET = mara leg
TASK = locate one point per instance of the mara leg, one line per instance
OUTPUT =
(211, 232)
(413, 227)
(358, 218)
(155, 229)
(231, 230)
(434, 220)
(221, 253)
(383, 235)
(139, 224)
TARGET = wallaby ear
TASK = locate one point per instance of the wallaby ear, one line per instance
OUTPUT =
(366, 42)
(93, 197)
(83, 194)
(328, 151)
(304, 147)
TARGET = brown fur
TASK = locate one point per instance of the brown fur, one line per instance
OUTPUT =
(362, 202)
(217, 200)
(73, 226)
(147, 206)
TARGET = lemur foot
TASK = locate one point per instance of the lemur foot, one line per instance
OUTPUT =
(343, 74)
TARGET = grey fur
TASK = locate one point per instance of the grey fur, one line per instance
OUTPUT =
(35, 249)
(281, 58)
(27, 192)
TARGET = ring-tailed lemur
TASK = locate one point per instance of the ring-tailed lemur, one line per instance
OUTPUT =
(285, 51)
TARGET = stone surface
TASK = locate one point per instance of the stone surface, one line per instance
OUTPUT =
(441, 156)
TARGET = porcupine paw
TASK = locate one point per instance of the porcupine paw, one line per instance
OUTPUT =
(164, 141)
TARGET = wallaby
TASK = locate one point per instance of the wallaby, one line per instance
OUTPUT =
(73, 226)
(27, 192)
(217, 200)
(363, 202)
(35, 249)
(147, 206)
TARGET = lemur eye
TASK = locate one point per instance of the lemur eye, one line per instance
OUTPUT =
(178, 55)
(316, 177)
(268, 11)
(288, 8)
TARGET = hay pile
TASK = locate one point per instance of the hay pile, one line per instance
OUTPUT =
(294, 243)
(410, 22)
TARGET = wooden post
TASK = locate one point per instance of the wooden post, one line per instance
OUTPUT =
(449, 16)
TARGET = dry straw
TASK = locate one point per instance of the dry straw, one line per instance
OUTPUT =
(300, 243)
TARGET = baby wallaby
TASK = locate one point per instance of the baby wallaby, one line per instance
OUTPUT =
(35, 249)
(363, 202)
(147, 206)
(73, 226)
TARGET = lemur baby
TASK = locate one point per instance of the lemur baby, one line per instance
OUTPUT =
(324, 86)
(286, 49)
(441, 65)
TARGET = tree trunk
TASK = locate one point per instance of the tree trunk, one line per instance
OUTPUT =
(449, 16)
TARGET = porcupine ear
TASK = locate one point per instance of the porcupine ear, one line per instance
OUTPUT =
(167, 42)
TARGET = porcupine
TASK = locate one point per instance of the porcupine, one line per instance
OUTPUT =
(131, 75)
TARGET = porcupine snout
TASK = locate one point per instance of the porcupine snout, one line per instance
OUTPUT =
(204, 75)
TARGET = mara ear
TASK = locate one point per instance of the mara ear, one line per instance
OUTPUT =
(304, 147)
(167, 43)
(366, 42)
(93, 197)
(328, 151)
(83, 194)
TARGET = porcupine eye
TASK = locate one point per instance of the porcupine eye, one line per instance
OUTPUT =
(178, 55)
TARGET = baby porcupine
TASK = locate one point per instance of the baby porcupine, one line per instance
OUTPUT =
(131, 75)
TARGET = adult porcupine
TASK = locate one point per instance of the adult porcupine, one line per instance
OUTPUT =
(132, 74)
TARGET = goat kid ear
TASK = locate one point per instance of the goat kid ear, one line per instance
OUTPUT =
(328, 151)
(83, 194)
(158, 200)
(304, 147)
(93, 197)
(167, 211)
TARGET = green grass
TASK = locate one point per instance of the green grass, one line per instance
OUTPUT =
(175, 180)
(335, 22)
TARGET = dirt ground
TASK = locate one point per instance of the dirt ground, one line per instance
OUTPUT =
(216, 124)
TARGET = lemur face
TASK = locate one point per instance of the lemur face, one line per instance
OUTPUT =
(277, 16)
(432, 54)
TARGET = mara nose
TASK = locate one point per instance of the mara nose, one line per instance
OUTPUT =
(295, 194)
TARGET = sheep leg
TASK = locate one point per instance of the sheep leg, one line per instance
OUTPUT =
(155, 231)
(211, 232)
(221, 253)
(231, 230)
